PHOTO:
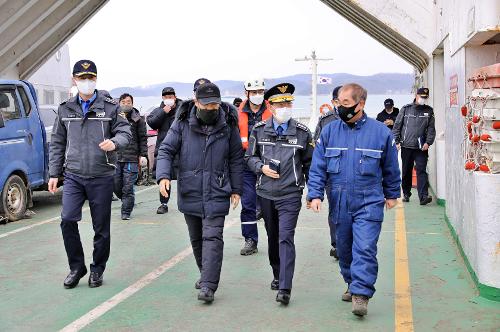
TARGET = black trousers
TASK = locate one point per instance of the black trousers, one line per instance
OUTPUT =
(418, 158)
(280, 218)
(206, 236)
(98, 191)
(125, 178)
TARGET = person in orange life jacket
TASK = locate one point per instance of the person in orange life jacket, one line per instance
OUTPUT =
(279, 152)
(251, 111)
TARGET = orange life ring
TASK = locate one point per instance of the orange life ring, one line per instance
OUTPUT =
(322, 108)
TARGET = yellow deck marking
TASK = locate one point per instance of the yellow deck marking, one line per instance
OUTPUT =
(402, 291)
(104, 307)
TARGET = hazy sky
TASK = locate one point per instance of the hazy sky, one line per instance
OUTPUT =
(152, 41)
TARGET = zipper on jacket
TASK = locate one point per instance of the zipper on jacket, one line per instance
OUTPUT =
(294, 171)
(68, 147)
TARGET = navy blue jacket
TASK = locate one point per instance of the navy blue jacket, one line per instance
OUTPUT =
(358, 165)
(210, 161)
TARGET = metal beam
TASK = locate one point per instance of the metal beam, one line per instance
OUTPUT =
(387, 36)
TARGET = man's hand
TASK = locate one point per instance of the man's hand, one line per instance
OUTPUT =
(53, 185)
(425, 147)
(389, 122)
(167, 109)
(164, 186)
(107, 145)
(398, 146)
(316, 205)
(269, 172)
(390, 203)
(235, 199)
(308, 204)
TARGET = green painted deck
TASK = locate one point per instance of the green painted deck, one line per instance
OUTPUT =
(33, 266)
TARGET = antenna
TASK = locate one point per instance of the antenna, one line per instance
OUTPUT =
(314, 81)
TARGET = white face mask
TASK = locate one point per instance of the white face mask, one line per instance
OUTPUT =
(86, 87)
(283, 114)
(421, 101)
(257, 99)
(169, 102)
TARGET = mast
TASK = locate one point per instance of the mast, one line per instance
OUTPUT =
(314, 87)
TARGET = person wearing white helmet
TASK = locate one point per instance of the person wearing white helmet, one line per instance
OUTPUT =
(251, 111)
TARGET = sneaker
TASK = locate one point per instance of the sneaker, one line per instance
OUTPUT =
(406, 198)
(206, 294)
(347, 296)
(162, 209)
(426, 200)
(249, 248)
(359, 305)
(197, 284)
(283, 296)
(333, 253)
(125, 216)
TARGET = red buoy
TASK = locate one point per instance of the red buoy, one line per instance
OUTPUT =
(464, 110)
(470, 165)
(485, 138)
(484, 168)
(475, 138)
(476, 119)
(496, 125)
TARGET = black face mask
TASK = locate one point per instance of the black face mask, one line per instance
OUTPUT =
(206, 116)
(347, 113)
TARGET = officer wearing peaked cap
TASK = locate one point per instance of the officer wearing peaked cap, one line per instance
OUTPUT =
(280, 152)
(88, 129)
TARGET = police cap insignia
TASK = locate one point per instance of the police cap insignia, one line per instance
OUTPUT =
(283, 88)
(85, 65)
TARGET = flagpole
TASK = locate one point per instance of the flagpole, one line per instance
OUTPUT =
(313, 120)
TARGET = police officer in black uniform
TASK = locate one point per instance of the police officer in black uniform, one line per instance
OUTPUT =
(389, 113)
(280, 152)
(322, 122)
(87, 130)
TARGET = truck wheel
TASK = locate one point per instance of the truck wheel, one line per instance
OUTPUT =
(14, 198)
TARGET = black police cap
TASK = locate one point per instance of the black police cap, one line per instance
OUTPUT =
(199, 82)
(208, 93)
(280, 93)
(423, 92)
(84, 67)
(168, 91)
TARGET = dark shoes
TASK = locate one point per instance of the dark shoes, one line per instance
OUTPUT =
(74, 277)
(283, 296)
(95, 279)
(206, 294)
(249, 248)
(162, 209)
(426, 200)
(197, 284)
(125, 216)
(275, 284)
(359, 305)
(333, 253)
(406, 198)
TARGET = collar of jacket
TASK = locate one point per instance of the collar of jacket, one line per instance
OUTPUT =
(194, 123)
(98, 104)
(135, 115)
(358, 124)
(178, 103)
(290, 131)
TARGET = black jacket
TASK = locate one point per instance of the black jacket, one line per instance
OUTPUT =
(210, 161)
(74, 145)
(382, 116)
(138, 145)
(323, 121)
(414, 121)
(294, 151)
(161, 121)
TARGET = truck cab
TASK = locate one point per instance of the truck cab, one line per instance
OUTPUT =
(23, 148)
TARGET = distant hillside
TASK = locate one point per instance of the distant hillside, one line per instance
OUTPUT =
(384, 83)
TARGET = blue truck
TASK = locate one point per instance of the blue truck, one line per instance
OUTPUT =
(24, 148)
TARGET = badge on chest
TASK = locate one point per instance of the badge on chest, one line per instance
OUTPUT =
(100, 114)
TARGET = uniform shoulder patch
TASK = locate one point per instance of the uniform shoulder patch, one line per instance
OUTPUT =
(303, 127)
(259, 124)
(111, 101)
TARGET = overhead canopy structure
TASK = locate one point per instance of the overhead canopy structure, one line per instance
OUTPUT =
(32, 30)
(368, 16)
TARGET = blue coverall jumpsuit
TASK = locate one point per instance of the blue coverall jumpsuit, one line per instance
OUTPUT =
(360, 164)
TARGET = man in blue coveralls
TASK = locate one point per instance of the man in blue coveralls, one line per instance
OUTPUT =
(357, 159)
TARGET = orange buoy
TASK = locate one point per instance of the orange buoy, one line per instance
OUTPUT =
(496, 125)
(485, 138)
(464, 110)
(484, 168)
(322, 108)
(470, 165)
